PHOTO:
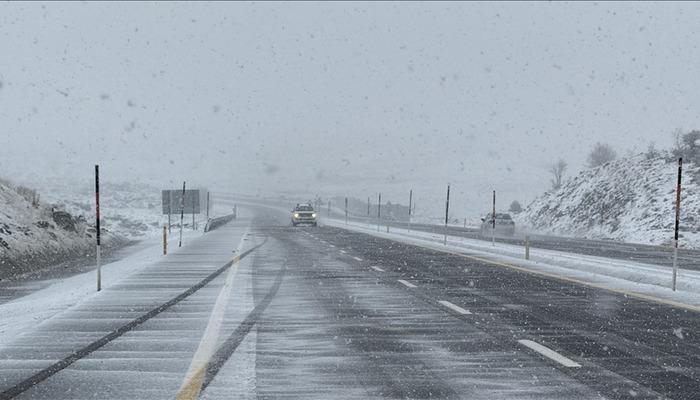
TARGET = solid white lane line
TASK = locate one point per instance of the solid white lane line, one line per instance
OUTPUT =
(374, 267)
(454, 307)
(549, 353)
(357, 258)
(194, 377)
(406, 283)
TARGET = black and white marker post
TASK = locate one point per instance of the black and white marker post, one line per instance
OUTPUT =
(170, 204)
(207, 205)
(493, 221)
(678, 215)
(368, 217)
(447, 211)
(410, 201)
(97, 226)
(379, 212)
(182, 212)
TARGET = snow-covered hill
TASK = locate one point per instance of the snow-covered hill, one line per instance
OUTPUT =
(630, 199)
(130, 210)
(34, 234)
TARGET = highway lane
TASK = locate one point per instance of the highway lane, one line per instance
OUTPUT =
(648, 254)
(326, 313)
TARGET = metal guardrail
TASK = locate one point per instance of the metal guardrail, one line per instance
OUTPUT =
(217, 222)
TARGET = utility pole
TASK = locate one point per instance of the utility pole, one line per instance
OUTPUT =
(678, 216)
(447, 211)
(182, 212)
(97, 227)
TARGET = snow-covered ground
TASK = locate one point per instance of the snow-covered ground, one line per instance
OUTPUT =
(631, 199)
(635, 279)
(24, 313)
(33, 234)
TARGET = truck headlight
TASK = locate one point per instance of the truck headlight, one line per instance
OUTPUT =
(313, 215)
(296, 215)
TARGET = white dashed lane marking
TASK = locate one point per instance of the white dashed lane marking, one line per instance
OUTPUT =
(374, 267)
(549, 353)
(454, 307)
(357, 258)
(406, 283)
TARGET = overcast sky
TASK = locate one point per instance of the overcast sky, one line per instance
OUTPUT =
(342, 98)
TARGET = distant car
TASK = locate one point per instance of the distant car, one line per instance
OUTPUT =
(303, 213)
(504, 225)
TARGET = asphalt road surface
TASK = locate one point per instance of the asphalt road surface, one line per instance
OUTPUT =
(648, 254)
(320, 313)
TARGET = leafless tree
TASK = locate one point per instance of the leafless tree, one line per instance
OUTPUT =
(515, 207)
(557, 170)
(602, 153)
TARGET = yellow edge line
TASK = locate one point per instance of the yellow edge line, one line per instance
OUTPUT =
(637, 295)
(190, 389)
(642, 296)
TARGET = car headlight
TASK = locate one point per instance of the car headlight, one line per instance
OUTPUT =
(313, 215)
(296, 215)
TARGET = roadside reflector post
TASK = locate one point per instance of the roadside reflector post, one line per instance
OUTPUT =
(465, 222)
(379, 212)
(447, 212)
(182, 212)
(678, 215)
(329, 208)
(207, 205)
(410, 203)
(194, 227)
(165, 240)
(169, 225)
(493, 221)
(368, 216)
(346, 211)
(527, 247)
(97, 226)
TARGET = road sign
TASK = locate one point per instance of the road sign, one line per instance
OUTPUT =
(172, 204)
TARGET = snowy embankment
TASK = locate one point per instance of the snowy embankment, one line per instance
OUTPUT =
(635, 279)
(23, 314)
(631, 199)
(34, 234)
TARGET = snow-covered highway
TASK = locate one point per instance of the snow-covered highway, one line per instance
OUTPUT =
(258, 309)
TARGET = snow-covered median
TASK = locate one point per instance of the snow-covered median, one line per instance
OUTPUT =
(641, 280)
